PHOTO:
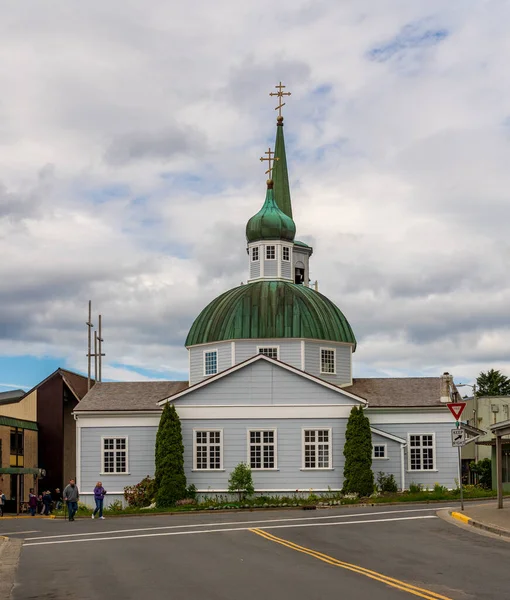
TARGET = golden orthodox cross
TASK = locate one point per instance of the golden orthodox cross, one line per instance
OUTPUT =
(270, 159)
(280, 93)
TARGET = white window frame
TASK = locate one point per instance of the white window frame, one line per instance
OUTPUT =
(330, 449)
(385, 457)
(334, 361)
(210, 351)
(253, 252)
(283, 254)
(275, 251)
(277, 348)
(126, 450)
(434, 460)
(208, 430)
(275, 445)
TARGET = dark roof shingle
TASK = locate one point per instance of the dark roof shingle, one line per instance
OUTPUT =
(129, 395)
(396, 392)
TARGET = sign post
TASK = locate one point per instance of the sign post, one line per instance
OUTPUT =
(458, 440)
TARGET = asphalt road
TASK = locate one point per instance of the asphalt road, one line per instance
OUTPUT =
(384, 553)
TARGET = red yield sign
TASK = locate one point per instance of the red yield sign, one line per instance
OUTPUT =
(456, 408)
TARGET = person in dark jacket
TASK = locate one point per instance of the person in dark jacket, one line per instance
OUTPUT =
(47, 502)
(32, 502)
(2, 503)
(99, 494)
(57, 498)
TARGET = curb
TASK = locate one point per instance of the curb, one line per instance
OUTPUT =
(468, 521)
(28, 517)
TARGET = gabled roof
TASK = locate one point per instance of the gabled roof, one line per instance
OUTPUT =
(250, 361)
(398, 392)
(389, 436)
(129, 395)
(75, 382)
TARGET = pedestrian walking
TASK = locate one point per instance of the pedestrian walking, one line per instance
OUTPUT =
(99, 494)
(57, 498)
(71, 497)
(32, 502)
(47, 500)
(2, 503)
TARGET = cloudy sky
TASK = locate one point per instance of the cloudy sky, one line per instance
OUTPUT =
(130, 133)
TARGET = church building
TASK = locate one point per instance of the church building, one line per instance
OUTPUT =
(270, 384)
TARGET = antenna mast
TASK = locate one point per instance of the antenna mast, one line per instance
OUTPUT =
(89, 355)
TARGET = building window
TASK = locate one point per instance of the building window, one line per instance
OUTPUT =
(208, 450)
(271, 252)
(286, 253)
(17, 452)
(379, 451)
(262, 449)
(115, 459)
(211, 362)
(421, 452)
(255, 253)
(328, 360)
(270, 351)
(317, 449)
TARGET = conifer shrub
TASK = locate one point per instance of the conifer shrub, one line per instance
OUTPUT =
(241, 481)
(358, 475)
(170, 479)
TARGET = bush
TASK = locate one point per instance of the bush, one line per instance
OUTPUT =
(415, 488)
(241, 481)
(358, 475)
(191, 492)
(440, 489)
(483, 469)
(170, 477)
(141, 494)
(115, 506)
(386, 483)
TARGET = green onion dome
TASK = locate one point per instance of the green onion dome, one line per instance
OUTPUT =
(270, 223)
(271, 310)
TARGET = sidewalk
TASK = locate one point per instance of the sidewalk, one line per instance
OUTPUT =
(487, 516)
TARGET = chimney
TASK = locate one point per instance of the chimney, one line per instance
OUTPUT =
(446, 387)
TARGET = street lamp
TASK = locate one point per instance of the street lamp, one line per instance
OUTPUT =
(475, 409)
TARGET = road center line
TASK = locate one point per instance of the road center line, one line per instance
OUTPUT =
(219, 524)
(194, 532)
(391, 581)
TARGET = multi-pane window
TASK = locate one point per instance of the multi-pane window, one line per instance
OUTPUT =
(271, 252)
(262, 449)
(317, 448)
(255, 253)
(270, 351)
(286, 253)
(421, 452)
(208, 450)
(211, 362)
(379, 451)
(115, 455)
(16, 456)
(327, 360)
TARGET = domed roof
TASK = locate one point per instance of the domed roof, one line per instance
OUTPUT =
(270, 309)
(270, 223)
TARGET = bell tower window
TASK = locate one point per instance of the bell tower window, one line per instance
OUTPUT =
(270, 252)
(255, 254)
(285, 253)
(299, 275)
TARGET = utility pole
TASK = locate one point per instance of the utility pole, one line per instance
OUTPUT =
(95, 356)
(89, 326)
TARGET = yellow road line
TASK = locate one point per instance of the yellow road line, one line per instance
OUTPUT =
(396, 583)
(460, 517)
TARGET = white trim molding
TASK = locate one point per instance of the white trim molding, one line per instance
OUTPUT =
(208, 445)
(389, 436)
(302, 355)
(385, 452)
(124, 450)
(326, 349)
(233, 352)
(210, 351)
(409, 416)
(107, 420)
(421, 447)
(264, 411)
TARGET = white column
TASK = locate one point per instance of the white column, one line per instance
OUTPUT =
(402, 467)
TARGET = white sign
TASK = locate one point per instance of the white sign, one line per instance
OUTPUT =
(458, 437)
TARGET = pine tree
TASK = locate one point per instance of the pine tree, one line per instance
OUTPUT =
(493, 383)
(170, 477)
(358, 475)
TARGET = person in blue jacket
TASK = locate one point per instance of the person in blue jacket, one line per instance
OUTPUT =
(99, 494)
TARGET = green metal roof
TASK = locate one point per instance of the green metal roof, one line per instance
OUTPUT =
(270, 309)
(280, 173)
(270, 223)
(298, 243)
(20, 423)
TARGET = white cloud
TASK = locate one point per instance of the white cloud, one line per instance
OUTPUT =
(129, 141)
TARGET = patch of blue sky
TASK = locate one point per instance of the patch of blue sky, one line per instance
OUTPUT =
(25, 372)
(412, 36)
(207, 184)
(106, 193)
